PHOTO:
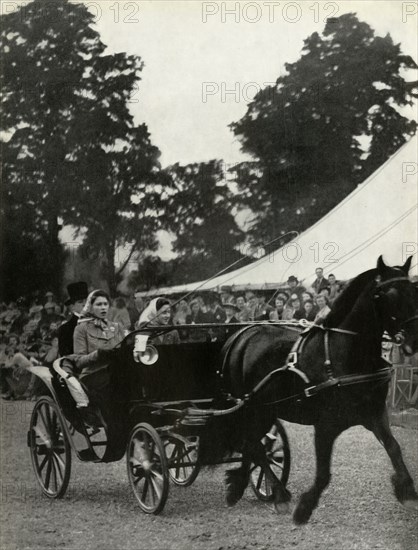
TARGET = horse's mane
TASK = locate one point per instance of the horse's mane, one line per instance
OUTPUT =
(346, 300)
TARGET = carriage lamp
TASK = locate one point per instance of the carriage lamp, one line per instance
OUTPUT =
(143, 352)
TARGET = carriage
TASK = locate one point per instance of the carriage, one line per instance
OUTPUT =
(160, 399)
(172, 407)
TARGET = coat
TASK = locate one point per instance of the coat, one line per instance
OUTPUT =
(90, 337)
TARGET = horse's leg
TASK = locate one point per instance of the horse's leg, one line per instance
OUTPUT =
(325, 435)
(237, 479)
(281, 496)
(402, 482)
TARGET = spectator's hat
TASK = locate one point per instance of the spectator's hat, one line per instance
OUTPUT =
(292, 279)
(283, 294)
(231, 305)
(36, 308)
(76, 291)
(49, 293)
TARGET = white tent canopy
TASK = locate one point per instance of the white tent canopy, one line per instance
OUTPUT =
(378, 217)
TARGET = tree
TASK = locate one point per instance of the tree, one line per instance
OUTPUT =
(305, 132)
(200, 214)
(65, 110)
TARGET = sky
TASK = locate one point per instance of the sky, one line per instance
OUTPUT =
(204, 61)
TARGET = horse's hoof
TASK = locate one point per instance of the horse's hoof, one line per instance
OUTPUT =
(234, 487)
(282, 508)
(411, 505)
(301, 515)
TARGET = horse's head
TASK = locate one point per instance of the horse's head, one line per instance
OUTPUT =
(396, 303)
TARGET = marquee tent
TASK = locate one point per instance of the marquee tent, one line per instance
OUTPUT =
(378, 217)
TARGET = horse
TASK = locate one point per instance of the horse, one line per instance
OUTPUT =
(336, 379)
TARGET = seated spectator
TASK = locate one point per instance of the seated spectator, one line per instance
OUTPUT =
(324, 309)
(15, 377)
(49, 315)
(120, 314)
(252, 304)
(230, 318)
(196, 317)
(277, 313)
(32, 325)
(263, 309)
(242, 313)
(215, 313)
(309, 311)
(182, 311)
(298, 312)
(306, 296)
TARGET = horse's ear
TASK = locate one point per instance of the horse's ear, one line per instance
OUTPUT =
(407, 265)
(381, 266)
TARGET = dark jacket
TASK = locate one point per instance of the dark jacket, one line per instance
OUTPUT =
(65, 336)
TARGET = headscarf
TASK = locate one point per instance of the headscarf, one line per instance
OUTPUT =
(150, 313)
(87, 311)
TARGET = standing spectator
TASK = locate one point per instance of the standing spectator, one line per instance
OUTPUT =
(320, 281)
(120, 314)
(295, 287)
(333, 288)
(77, 295)
(242, 314)
(137, 308)
(324, 309)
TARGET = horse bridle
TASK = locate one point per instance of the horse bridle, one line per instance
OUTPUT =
(399, 332)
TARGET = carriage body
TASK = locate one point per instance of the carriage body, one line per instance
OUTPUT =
(146, 416)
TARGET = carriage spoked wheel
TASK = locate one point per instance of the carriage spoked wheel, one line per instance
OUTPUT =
(147, 468)
(49, 448)
(276, 444)
(183, 459)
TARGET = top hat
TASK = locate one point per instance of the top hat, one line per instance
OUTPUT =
(292, 279)
(76, 291)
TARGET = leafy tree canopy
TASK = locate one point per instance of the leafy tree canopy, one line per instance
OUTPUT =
(305, 132)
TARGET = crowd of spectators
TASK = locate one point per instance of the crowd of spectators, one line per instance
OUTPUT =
(29, 326)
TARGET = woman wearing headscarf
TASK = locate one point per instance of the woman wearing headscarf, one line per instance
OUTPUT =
(94, 333)
(158, 314)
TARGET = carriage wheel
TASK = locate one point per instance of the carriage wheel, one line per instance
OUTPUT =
(147, 468)
(49, 448)
(277, 448)
(183, 460)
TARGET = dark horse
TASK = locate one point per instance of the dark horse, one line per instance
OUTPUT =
(335, 361)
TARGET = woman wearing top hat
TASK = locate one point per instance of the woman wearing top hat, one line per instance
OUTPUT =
(77, 295)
